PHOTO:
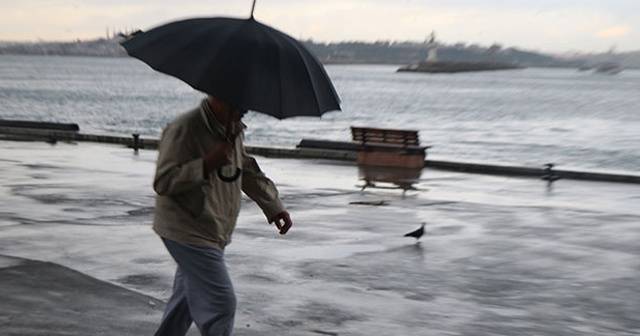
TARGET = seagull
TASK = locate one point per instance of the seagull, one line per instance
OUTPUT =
(417, 233)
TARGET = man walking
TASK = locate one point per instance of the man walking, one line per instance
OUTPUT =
(196, 212)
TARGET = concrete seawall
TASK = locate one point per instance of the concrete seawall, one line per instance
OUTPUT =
(136, 142)
(52, 136)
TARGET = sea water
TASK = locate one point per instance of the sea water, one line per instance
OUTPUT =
(530, 117)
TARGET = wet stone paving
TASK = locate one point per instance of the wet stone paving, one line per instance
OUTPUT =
(499, 256)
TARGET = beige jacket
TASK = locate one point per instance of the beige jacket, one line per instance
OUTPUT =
(191, 209)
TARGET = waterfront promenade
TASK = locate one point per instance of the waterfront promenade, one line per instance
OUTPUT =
(501, 255)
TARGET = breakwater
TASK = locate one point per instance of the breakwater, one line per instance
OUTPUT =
(454, 67)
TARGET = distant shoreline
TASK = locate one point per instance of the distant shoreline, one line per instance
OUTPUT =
(392, 53)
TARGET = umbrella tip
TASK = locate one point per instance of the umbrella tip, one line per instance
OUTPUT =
(253, 7)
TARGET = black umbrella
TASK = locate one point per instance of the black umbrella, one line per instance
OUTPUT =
(242, 61)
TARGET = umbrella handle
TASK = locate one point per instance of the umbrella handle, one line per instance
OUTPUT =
(230, 179)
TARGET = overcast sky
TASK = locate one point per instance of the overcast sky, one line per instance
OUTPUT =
(543, 25)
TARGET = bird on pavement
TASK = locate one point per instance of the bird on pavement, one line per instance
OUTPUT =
(417, 233)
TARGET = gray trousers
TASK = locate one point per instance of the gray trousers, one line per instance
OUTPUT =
(202, 292)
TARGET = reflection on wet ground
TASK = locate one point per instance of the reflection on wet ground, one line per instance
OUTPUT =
(500, 256)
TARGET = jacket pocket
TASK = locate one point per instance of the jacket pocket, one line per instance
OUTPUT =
(191, 202)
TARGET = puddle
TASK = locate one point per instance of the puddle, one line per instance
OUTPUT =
(327, 252)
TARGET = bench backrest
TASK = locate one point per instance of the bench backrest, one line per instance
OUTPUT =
(386, 136)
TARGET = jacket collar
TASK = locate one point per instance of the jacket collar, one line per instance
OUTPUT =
(214, 125)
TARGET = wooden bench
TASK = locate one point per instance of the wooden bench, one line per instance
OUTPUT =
(389, 147)
(385, 136)
(389, 155)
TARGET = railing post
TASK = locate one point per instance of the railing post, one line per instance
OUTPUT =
(136, 141)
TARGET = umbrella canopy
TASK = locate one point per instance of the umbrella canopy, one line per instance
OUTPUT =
(248, 64)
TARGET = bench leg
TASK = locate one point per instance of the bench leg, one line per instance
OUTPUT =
(367, 183)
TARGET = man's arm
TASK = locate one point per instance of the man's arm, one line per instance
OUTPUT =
(264, 192)
(179, 168)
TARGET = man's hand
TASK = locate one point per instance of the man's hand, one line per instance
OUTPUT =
(218, 155)
(286, 222)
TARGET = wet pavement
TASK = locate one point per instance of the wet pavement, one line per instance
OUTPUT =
(500, 256)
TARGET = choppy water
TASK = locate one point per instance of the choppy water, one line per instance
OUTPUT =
(577, 120)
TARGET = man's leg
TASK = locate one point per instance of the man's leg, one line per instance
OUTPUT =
(208, 289)
(177, 319)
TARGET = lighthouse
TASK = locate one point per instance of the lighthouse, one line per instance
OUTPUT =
(432, 49)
